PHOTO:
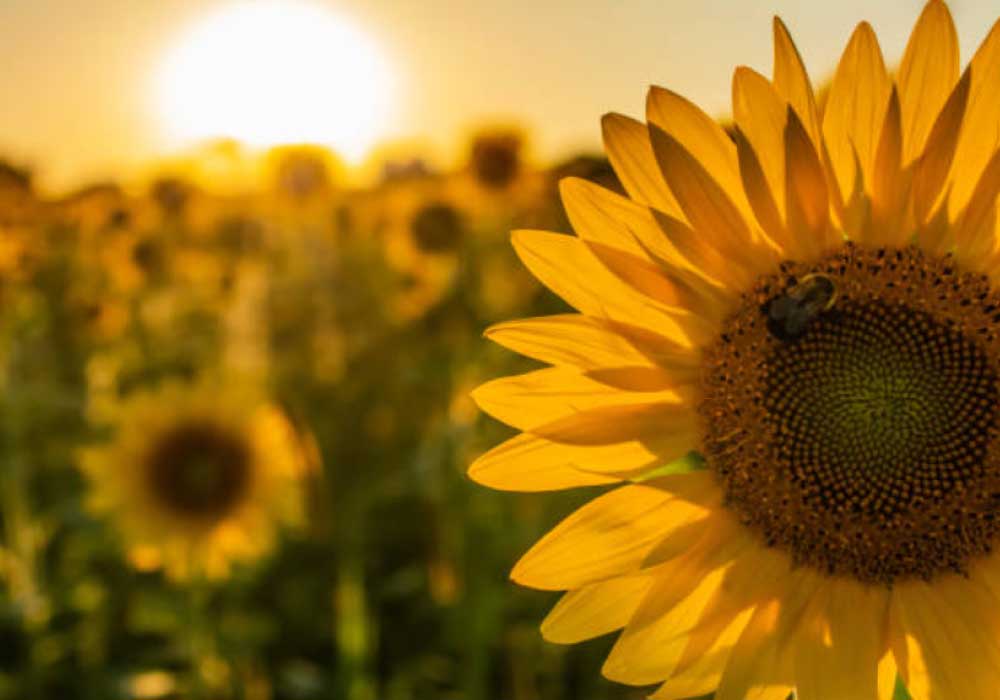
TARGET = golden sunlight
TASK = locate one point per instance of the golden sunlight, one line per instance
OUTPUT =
(271, 72)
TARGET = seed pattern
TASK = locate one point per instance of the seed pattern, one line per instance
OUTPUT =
(867, 446)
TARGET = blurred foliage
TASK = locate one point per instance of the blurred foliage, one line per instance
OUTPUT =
(362, 311)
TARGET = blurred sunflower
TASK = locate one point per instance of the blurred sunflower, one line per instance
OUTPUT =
(303, 172)
(197, 477)
(495, 157)
(812, 306)
(421, 225)
(497, 187)
(428, 257)
(436, 228)
(172, 195)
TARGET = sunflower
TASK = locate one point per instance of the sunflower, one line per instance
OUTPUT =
(495, 157)
(197, 476)
(807, 316)
(422, 226)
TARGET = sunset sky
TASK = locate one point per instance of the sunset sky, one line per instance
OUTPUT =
(83, 84)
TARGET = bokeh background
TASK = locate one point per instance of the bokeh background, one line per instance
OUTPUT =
(314, 198)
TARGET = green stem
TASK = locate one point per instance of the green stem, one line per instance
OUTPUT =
(201, 642)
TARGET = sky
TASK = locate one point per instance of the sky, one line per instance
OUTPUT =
(81, 80)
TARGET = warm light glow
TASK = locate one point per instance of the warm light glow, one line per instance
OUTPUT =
(276, 71)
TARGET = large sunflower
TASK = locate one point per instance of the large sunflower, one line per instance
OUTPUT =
(196, 477)
(812, 306)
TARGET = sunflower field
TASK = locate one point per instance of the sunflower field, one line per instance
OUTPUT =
(713, 416)
(236, 429)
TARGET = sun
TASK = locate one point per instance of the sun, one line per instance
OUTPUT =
(271, 72)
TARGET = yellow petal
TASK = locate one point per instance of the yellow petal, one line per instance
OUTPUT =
(565, 265)
(668, 430)
(754, 578)
(987, 571)
(760, 114)
(672, 286)
(951, 646)
(647, 651)
(886, 677)
(934, 236)
(596, 609)
(599, 215)
(761, 197)
(529, 463)
(626, 142)
(702, 675)
(716, 259)
(703, 138)
(839, 643)
(544, 396)
(890, 185)
(856, 108)
(677, 545)
(659, 350)
(698, 487)
(706, 204)
(643, 379)
(974, 230)
(926, 75)
(568, 339)
(992, 265)
(980, 134)
(756, 668)
(807, 203)
(606, 538)
(761, 661)
(654, 640)
(931, 170)
(792, 82)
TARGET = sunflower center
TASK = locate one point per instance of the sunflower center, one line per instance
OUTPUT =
(200, 470)
(875, 401)
(437, 228)
(854, 423)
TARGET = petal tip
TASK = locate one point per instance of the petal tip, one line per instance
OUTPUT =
(864, 30)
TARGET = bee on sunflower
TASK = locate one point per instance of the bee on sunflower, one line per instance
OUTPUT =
(197, 477)
(812, 305)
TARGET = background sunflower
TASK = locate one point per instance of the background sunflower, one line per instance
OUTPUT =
(197, 476)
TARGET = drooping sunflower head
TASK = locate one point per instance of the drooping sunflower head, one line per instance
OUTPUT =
(809, 300)
(197, 477)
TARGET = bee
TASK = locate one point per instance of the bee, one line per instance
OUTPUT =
(789, 314)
